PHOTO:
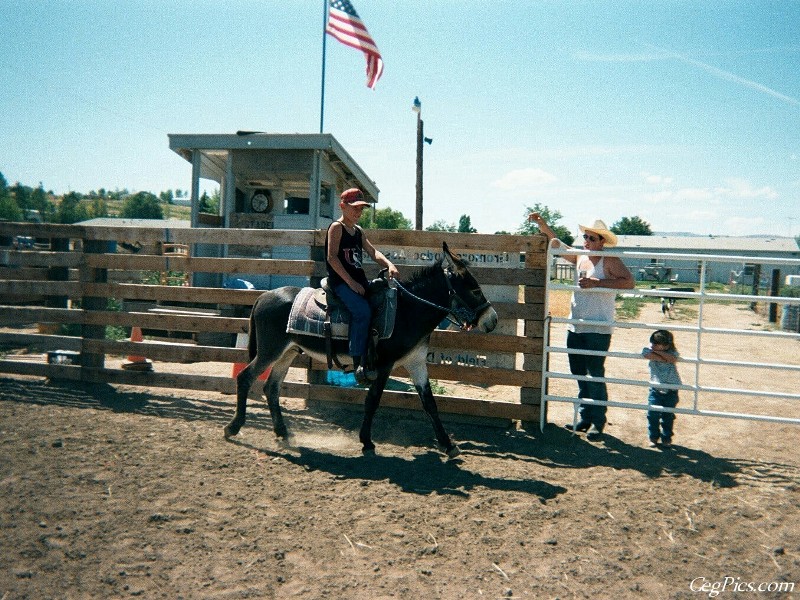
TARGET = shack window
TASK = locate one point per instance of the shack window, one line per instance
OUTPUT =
(296, 206)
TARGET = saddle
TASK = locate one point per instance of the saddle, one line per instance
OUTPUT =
(319, 312)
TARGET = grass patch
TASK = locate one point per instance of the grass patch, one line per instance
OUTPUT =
(629, 308)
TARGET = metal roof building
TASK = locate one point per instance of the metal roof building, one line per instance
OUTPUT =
(686, 271)
(285, 181)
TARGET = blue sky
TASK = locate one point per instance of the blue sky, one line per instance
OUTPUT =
(684, 113)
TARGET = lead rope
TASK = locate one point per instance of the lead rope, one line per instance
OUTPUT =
(464, 315)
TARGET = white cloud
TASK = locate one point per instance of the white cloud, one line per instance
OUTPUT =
(695, 194)
(659, 197)
(740, 188)
(653, 179)
(524, 179)
(743, 225)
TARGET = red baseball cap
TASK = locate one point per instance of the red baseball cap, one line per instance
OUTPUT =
(354, 197)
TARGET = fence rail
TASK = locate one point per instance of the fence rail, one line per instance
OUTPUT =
(698, 388)
(87, 280)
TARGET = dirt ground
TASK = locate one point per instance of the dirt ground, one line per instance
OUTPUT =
(127, 492)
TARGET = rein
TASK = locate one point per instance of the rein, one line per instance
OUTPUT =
(463, 314)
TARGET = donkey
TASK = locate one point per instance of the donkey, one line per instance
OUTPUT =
(444, 289)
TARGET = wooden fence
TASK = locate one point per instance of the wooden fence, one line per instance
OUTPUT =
(78, 281)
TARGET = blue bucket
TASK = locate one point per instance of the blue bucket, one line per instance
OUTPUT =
(341, 379)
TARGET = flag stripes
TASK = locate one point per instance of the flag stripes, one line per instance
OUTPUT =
(345, 25)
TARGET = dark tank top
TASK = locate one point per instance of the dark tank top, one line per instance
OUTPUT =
(350, 253)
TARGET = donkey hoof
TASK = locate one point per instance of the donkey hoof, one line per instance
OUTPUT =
(281, 431)
(453, 452)
(368, 451)
(230, 431)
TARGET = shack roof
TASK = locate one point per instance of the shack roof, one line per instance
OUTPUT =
(214, 149)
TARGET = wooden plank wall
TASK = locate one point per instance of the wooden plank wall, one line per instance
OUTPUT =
(71, 280)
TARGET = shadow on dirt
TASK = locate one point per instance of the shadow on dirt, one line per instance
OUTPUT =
(421, 474)
(559, 448)
(554, 448)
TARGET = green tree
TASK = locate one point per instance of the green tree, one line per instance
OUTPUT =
(442, 225)
(465, 225)
(118, 194)
(631, 226)
(9, 210)
(551, 217)
(71, 209)
(98, 207)
(384, 218)
(210, 204)
(22, 194)
(142, 205)
(40, 201)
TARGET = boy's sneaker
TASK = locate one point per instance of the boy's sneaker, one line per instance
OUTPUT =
(653, 443)
(666, 441)
(361, 375)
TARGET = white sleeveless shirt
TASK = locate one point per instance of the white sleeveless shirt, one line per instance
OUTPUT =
(594, 304)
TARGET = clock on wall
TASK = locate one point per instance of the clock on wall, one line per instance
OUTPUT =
(261, 201)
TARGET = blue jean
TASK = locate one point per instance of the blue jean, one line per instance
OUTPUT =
(594, 366)
(667, 399)
(360, 316)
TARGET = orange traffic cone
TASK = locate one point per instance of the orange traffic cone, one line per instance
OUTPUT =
(241, 342)
(137, 363)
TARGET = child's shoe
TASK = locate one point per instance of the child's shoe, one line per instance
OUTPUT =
(361, 376)
(653, 443)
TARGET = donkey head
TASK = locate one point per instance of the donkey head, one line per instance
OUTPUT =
(467, 301)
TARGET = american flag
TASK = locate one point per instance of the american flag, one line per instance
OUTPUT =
(345, 25)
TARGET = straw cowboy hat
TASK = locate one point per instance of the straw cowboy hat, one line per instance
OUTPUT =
(600, 229)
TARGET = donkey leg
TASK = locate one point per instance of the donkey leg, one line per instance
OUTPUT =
(371, 404)
(419, 375)
(272, 391)
(244, 381)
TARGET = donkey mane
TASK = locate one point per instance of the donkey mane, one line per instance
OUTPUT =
(422, 277)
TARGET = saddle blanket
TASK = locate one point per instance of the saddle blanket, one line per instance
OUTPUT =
(308, 317)
(308, 314)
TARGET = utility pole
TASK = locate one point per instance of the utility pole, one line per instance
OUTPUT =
(417, 108)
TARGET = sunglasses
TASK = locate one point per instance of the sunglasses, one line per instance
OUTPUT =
(592, 238)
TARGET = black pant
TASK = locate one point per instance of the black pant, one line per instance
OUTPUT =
(594, 366)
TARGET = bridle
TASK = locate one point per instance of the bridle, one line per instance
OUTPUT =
(462, 312)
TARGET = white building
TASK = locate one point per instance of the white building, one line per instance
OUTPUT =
(687, 271)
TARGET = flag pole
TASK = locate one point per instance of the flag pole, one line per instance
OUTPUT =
(324, 39)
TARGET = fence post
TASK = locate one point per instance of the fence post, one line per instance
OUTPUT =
(533, 296)
(58, 273)
(89, 303)
(774, 290)
(756, 283)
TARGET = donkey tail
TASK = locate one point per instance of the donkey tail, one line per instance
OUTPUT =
(252, 342)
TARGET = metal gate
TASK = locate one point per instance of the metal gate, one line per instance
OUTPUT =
(776, 381)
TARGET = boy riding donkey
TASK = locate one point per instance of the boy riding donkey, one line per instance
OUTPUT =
(345, 245)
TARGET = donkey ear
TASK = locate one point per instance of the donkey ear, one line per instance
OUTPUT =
(452, 259)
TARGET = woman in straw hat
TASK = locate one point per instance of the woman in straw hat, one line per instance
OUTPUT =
(598, 279)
